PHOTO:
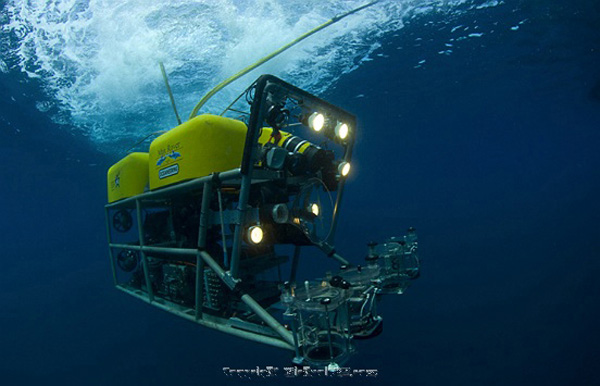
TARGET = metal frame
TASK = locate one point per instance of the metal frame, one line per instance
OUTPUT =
(244, 177)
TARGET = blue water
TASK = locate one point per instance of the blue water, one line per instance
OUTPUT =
(479, 125)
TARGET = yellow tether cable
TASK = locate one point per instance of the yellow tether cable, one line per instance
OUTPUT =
(246, 70)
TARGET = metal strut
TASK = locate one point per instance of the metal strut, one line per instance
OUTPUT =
(164, 74)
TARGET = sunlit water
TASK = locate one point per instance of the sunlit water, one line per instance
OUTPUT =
(98, 60)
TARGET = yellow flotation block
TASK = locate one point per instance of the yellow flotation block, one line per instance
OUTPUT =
(128, 177)
(203, 145)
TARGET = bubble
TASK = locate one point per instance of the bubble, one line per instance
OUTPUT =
(44, 106)
(3, 67)
(98, 60)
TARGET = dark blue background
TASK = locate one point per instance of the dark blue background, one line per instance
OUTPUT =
(491, 152)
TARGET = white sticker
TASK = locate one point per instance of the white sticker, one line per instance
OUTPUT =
(168, 171)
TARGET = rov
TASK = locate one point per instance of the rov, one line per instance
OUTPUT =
(201, 234)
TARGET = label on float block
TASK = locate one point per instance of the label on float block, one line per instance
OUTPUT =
(168, 171)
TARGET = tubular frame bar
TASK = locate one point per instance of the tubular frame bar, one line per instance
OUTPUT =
(110, 252)
(176, 189)
(214, 323)
(294, 324)
(160, 250)
(138, 210)
(199, 287)
(204, 214)
(214, 266)
(247, 167)
(202, 229)
(340, 259)
(268, 318)
(336, 208)
(236, 248)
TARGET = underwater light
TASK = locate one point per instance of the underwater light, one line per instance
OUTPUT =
(316, 121)
(342, 130)
(344, 169)
(314, 209)
(255, 234)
